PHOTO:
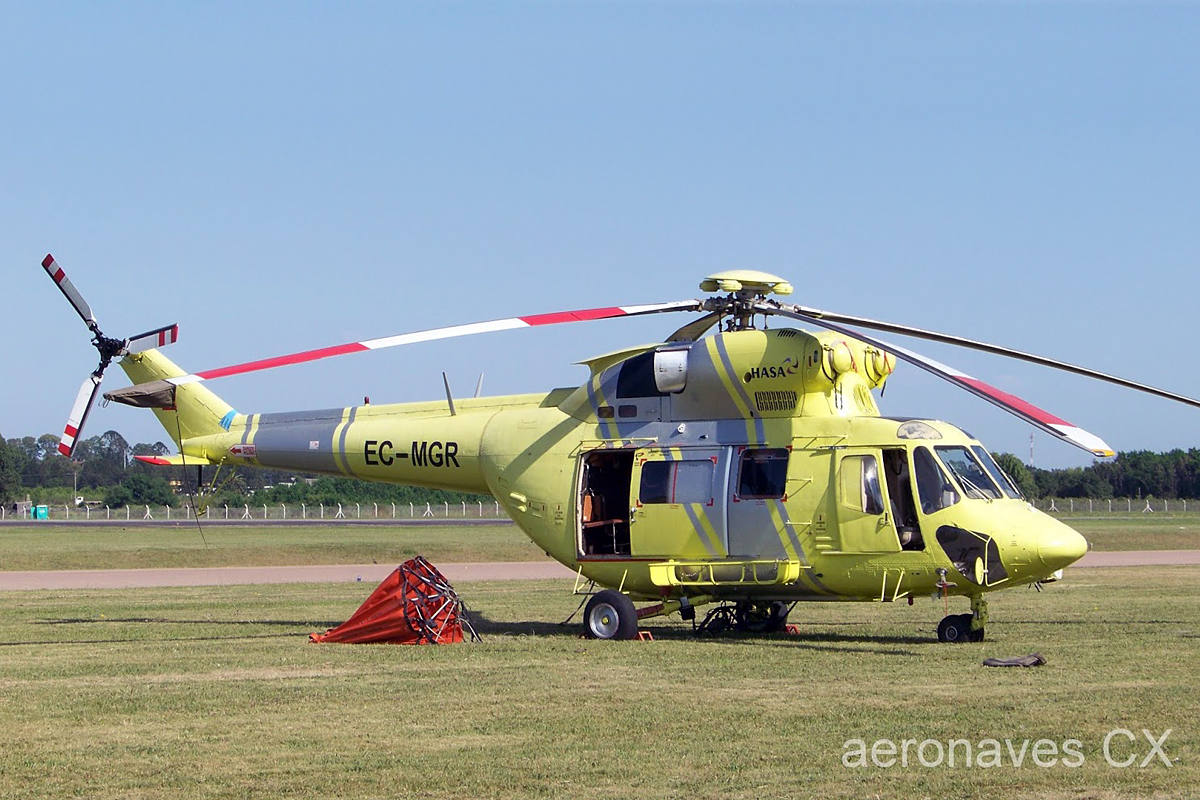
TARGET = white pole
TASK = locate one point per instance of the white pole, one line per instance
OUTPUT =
(393, 510)
(226, 511)
(168, 508)
(480, 509)
(264, 510)
(447, 505)
(376, 510)
(358, 510)
(284, 508)
(303, 511)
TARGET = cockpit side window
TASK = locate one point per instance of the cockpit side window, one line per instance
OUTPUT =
(934, 489)
(971, 476)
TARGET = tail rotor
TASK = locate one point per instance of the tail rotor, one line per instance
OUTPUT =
(107, 347)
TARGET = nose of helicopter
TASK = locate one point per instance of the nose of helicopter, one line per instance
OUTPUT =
(1060, 546)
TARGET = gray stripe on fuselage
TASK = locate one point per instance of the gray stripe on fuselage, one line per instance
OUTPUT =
(795, 539)
(301, 440)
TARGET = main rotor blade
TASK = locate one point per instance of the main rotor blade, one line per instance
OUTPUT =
(536, 320)
(1054, 425)
(70, 292)
(822, 317)
(159, 337)
(79, 413)
(696, 328)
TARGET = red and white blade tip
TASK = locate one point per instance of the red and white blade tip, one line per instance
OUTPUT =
(79, 413)
(512, 323)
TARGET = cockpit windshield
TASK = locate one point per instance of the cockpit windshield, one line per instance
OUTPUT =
(973, 478)
(1000, 476)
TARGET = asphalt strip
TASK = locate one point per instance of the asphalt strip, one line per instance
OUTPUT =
(374, 573)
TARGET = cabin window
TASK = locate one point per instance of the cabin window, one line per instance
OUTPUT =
(971, 476)
(762, 474)
(933, 487)
(677, 482)
(860, 484)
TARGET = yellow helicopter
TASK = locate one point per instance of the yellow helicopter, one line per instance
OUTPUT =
(747, 469)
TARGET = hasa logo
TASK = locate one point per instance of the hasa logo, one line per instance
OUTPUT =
(790, 366)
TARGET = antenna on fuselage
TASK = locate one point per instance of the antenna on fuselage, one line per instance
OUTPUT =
(449, 398)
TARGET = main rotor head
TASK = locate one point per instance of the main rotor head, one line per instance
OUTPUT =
(746, 288)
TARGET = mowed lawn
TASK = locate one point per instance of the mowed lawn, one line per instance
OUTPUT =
(1141, 532)
(32, 547)
(215, 692)
(60, 547)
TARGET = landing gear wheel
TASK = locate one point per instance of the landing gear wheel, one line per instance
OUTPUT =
(956, 629)
(977, 636)
(610, 615)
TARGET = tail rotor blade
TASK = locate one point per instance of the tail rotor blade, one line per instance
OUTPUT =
(159, 337)
(70, 292)
(79, 412)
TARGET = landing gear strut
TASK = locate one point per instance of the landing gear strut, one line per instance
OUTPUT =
(745, 617)
(958, 628)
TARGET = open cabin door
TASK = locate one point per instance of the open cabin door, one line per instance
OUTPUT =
(865, 518)
(603, 510)
(677, 507)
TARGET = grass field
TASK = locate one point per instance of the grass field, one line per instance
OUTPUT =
(215, 692)
(1144, 532)
(91, 547)
(60, 547)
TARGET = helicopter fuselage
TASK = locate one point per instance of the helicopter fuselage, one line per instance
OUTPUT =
(748, 464)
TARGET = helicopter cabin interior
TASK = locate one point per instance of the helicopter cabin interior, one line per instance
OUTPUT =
(604, 503)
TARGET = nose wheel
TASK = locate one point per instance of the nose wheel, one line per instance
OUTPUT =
(957, 628)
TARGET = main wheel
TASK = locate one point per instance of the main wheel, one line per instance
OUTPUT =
(955, 628)
(610, 615)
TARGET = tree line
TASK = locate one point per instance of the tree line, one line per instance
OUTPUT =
(104, 471)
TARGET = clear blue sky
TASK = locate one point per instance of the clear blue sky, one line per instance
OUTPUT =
(283, 176)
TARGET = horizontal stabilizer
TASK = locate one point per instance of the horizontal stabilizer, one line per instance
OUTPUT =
(176, 461)
(154, 394)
